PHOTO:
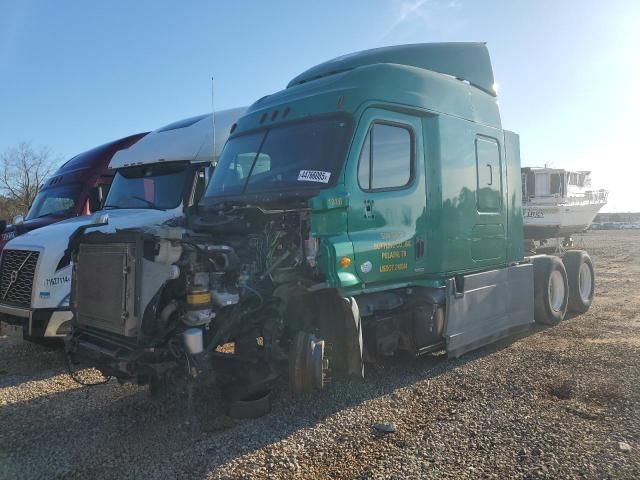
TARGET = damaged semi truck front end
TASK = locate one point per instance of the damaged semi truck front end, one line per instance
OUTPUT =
(372, 206)
(244, 273)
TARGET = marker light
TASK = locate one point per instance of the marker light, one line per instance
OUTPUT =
(344, 262)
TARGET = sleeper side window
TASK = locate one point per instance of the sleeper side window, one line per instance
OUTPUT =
(386, 160)
(489, 175)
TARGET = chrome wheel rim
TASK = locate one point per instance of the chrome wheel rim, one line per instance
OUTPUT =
(556, 291)
(585, 282)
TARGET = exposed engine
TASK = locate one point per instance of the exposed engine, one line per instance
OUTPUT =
(225, 291)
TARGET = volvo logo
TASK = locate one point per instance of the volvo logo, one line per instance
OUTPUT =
(13, 276)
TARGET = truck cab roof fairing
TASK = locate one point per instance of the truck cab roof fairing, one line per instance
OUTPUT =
(91, 162)
(465, 61)
(189, 139)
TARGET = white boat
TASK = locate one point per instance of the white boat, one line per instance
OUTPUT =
(557, 203)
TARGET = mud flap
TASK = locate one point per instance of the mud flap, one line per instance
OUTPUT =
(337, 321)
(353, 331)
(487, 306)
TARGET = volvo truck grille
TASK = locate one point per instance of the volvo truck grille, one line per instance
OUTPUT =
(16, 276)
(104, 286)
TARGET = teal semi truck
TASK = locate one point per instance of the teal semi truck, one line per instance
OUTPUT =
(372, 206)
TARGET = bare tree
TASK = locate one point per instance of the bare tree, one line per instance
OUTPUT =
(24, 168)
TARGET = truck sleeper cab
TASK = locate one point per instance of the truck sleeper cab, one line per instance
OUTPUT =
(155, 181)
(78, 187)
(374, 205)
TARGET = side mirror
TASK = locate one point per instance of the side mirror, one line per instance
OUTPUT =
(100, 219)
(3, 225)
(18, 220)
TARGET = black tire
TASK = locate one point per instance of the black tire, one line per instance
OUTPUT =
(580, 290)
(254, 406)
(548, 308)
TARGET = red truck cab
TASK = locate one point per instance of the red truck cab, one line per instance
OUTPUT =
(77, 188)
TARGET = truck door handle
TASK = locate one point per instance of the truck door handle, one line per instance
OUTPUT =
(490, 173)
(419, 248)
(368, 209)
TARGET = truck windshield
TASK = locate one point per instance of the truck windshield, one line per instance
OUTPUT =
(55, 201)
(304, 154)
(158, 185)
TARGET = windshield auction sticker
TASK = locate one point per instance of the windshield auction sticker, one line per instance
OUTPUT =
(314, 176)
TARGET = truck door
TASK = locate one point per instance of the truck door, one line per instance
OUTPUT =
(387, 206)
(489, 245)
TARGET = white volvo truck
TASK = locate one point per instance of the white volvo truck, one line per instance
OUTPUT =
(156, 180)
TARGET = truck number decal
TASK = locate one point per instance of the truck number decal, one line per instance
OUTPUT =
(55, 281)
(314, 176)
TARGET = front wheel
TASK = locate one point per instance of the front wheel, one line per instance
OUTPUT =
(551, 290)
(581, 280)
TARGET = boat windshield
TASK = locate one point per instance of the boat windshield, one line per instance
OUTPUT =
(54, 201)
(305, 154)
(158, 185)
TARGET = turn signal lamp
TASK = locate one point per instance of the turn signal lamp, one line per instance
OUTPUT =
(344, 262)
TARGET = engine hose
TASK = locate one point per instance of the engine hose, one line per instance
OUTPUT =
(199, 251)
(173, 349)
(275, 264)
(73, 376)
(169, 309)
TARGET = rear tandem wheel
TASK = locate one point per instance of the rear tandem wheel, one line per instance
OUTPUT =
(551, 289)
(581, 280)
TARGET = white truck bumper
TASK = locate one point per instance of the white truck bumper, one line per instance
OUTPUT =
(39, 323)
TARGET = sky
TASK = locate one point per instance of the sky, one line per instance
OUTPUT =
(76, 74)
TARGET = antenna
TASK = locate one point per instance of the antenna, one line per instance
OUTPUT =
(213, 122)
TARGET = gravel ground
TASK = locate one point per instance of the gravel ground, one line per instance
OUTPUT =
(560, 402)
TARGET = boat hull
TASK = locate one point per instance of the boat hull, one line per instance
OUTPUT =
(542, 222)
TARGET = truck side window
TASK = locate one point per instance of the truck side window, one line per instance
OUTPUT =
(386, 158)
(364, 164)
(489, 175)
